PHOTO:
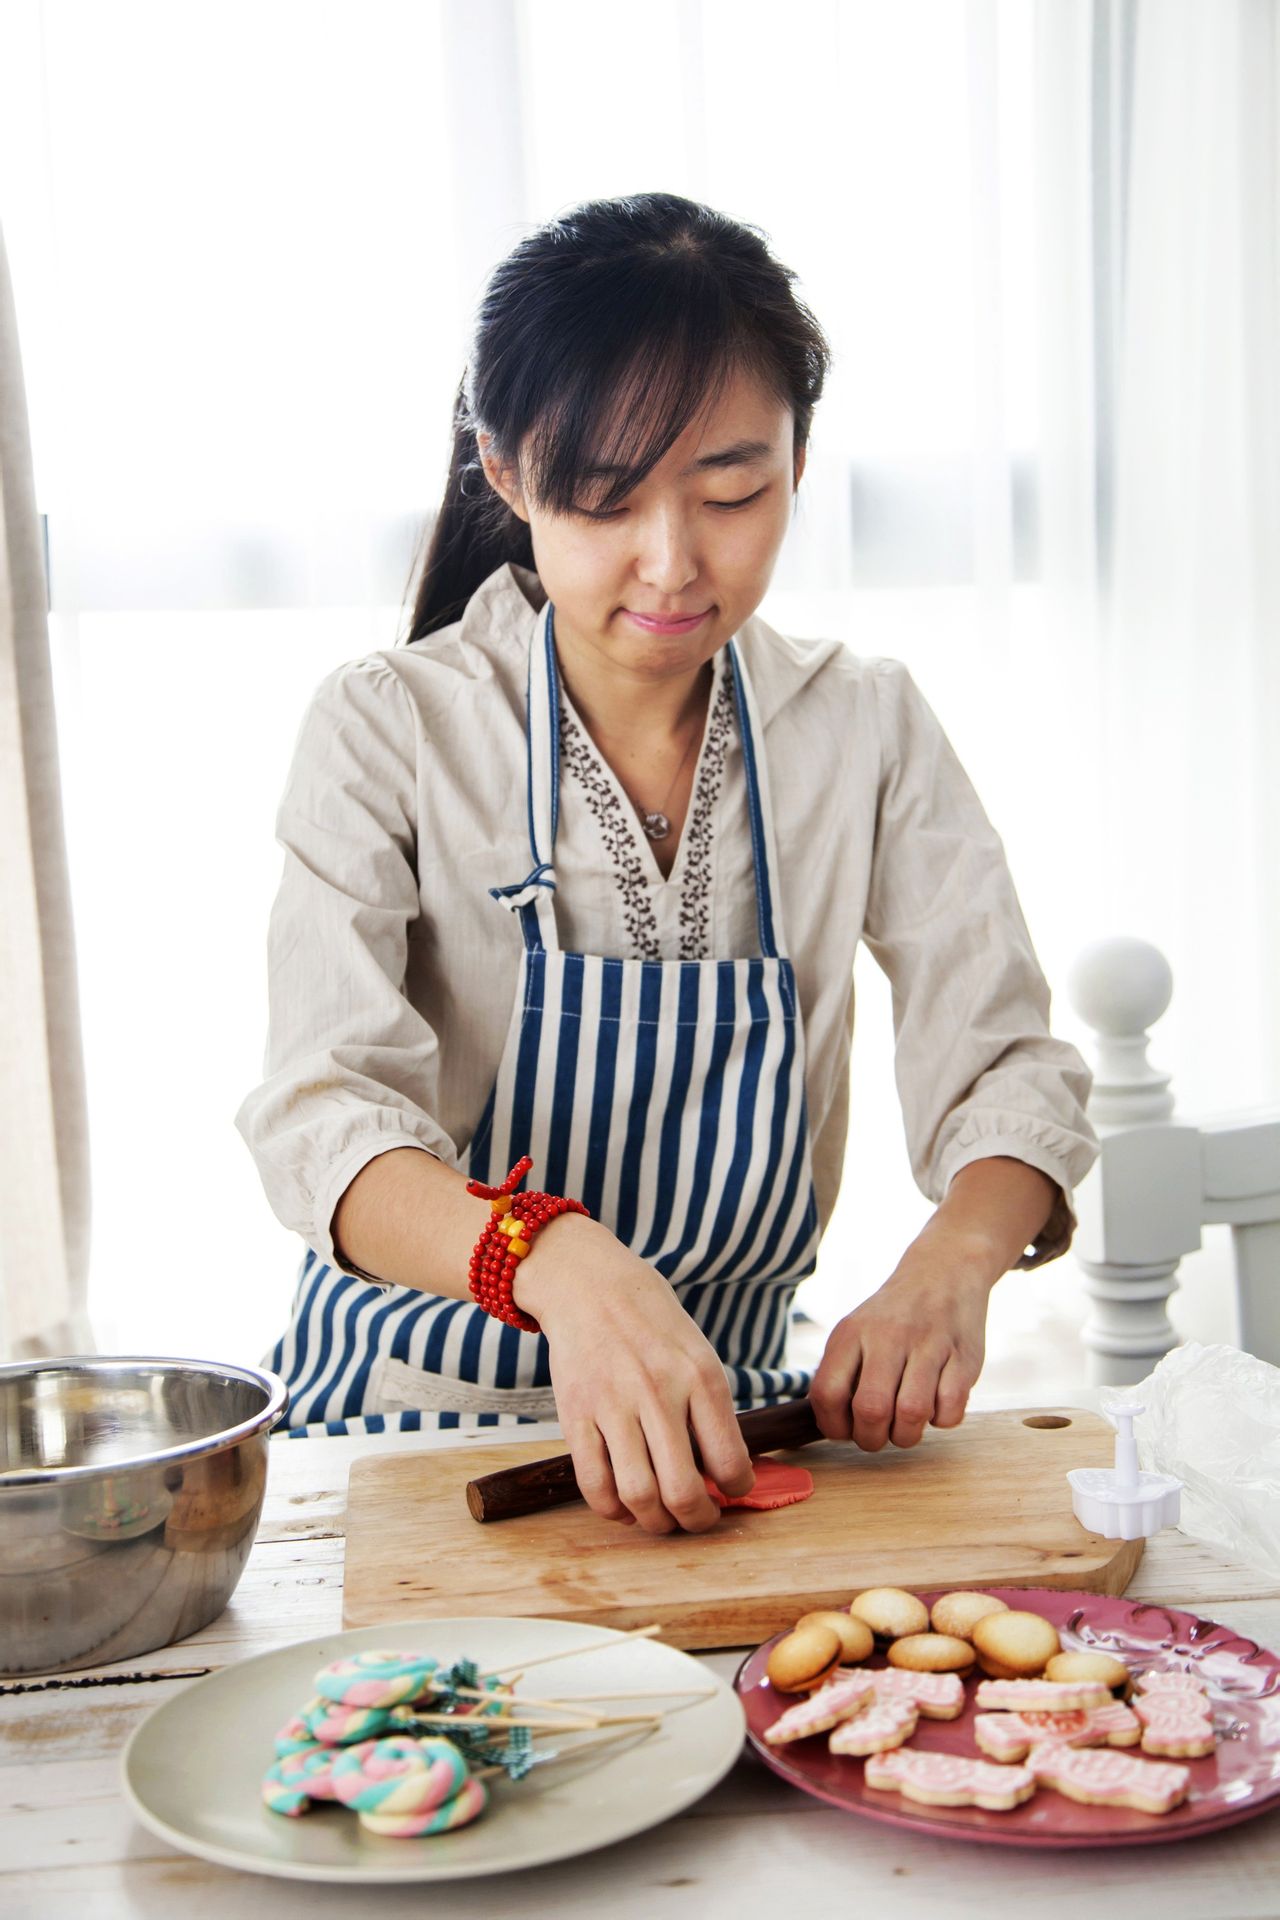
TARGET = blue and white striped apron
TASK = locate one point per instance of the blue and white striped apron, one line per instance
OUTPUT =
(666, 1094)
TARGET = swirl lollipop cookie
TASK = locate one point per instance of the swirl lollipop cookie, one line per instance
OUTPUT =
(467, 1804)
(295, 1736)
(397, 1785)
(334, 1725)
(377, 1679)
(298, 1778)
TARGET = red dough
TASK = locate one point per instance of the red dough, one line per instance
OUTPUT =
(776, 1486)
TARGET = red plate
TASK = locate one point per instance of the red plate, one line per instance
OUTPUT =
(1240, 1779)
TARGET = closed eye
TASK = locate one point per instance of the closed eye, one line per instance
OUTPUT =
(727, 506)
(721, 506)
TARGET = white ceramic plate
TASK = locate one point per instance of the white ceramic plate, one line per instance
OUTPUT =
(193, 1770)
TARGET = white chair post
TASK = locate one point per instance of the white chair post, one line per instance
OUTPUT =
(1139, 1210)
(1160, 1180)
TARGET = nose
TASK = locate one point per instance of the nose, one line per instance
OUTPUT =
(666, 557)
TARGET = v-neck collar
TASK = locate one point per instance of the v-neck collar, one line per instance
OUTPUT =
(655, 879)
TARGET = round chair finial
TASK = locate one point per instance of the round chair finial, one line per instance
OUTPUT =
(1120, 986)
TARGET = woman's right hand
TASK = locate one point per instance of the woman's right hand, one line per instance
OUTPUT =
(634, 1378)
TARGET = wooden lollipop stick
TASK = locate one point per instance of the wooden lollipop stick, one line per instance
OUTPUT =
(557, 1706)
(487, 1720)
(571, 1753)
(568, 1653)
(644, 1693)
(572, 1704)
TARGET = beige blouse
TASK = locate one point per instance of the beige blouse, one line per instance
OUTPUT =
(392, 970)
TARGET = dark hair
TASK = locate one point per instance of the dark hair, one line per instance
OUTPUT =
(649, 298)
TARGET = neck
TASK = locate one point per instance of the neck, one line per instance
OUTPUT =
(627, 707)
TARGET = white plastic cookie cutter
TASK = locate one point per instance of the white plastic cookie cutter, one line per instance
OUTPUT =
(1123, 1502)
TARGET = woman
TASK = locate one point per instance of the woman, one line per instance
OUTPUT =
(579, 873)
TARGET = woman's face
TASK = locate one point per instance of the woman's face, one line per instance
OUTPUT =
(699, 536)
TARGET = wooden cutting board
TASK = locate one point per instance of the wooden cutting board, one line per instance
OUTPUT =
(983, 1504)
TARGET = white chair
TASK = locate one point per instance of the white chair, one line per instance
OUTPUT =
(1162, 1177)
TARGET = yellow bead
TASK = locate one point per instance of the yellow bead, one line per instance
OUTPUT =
(519, 1248)
(510, 1225)
(502, 1204)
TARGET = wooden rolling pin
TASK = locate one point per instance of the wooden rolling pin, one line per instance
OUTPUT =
(541, 1484)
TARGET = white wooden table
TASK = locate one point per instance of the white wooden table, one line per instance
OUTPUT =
(69, 1845)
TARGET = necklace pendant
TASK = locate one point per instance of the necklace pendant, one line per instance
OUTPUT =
(656, 825)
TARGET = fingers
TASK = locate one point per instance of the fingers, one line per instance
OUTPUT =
(954, 1388)
(592, 1471)
(917, 1393)
(876, 1393)
(831, 1394)
(684, 1492)
(720, 1442)
(636, 1479)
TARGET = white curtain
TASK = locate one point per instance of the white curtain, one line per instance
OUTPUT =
(1156, 668)
(1192, 689)
(1043, 240)
(44, 1150)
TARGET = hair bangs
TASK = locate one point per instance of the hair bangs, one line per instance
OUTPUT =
(625, 395)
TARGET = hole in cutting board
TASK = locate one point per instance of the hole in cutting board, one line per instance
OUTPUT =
(1046, 1420)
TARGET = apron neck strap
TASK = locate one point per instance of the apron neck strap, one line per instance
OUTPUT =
(542, 793)
(764, 853)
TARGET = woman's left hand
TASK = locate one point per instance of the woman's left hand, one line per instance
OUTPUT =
(909, 1355)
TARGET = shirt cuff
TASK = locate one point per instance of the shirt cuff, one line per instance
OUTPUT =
(1058, 1230)
(340, 1177)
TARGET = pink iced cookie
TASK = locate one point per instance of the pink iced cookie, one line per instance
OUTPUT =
(1099, 1777)
(949, 1779)
(1041, 1696)
(1159, 1706)
(1156, 1682)
(1116, 1723)
(935, 1696)
(1011, 1736)
(886, 1724)
(821, 1710)
(1179, 1729)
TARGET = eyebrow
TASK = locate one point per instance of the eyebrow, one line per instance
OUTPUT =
(743, 453)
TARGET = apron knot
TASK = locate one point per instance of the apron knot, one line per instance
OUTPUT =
(525, 891)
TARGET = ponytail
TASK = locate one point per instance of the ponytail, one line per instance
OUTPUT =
(474, 532)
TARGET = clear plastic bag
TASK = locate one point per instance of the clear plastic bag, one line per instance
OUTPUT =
(1213, 1418)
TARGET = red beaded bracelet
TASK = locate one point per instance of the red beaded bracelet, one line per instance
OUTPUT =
(506, 1240)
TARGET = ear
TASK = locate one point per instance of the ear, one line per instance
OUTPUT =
(501, 475)
(799, 464)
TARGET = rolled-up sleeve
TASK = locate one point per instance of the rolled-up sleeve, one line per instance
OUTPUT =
(978, 1072)
(351, 1066)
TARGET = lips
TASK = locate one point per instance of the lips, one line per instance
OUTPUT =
(666, 622)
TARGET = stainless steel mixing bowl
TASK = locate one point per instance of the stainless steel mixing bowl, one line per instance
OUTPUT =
(130, 1491)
